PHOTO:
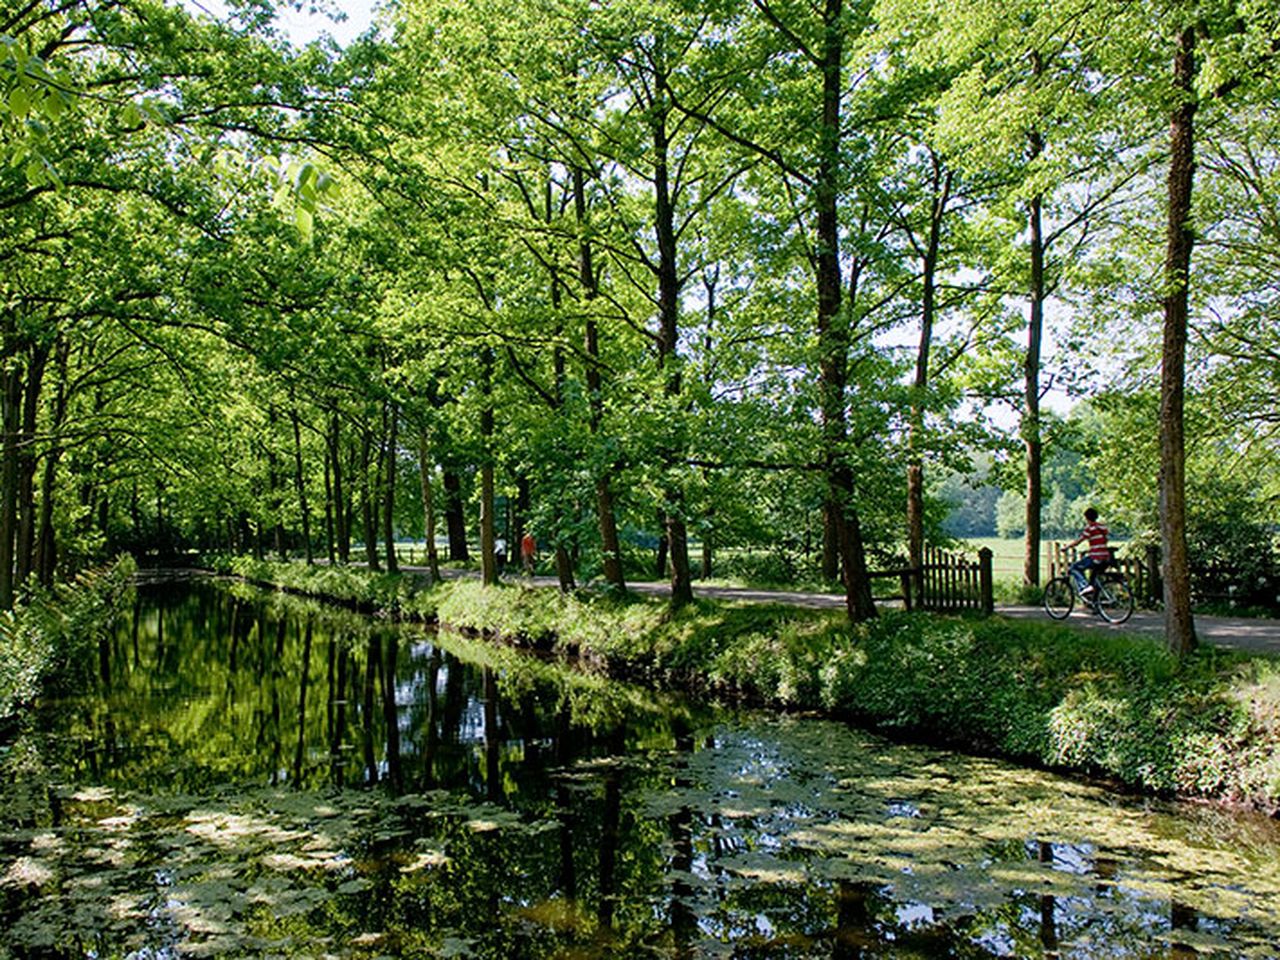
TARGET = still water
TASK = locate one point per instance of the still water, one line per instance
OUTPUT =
(248, 775)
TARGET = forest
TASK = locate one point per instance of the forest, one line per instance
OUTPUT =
(661, 282)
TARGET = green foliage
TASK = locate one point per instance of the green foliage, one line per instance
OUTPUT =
(1232, 544)
(48, 637)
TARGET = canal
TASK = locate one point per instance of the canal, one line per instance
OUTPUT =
(244, 774)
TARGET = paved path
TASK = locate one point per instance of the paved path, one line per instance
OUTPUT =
(1239, 633)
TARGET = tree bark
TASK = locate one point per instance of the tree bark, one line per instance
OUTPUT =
(428, 506)
(1178, 622)
(606, 517)
(389, 487)
(830, 541)
(455, 515)
(273, 486)
(28, 462)
(833, 333)
(340, 513)
(10, 418)
(488, 563)
(1031, 438)
(520, 516)
(366, 504)
(669, 331)
(928, 300)
(1031, 413)
(46, 545)
(330, 546)
(300, 486)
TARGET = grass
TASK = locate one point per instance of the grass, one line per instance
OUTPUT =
(1105, 704)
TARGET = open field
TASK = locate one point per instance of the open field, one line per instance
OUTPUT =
(1006, 555)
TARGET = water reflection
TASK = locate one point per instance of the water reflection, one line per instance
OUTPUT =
(257, 776)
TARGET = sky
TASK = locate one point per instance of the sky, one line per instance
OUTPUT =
(303, 26)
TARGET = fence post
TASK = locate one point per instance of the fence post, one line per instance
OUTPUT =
(985, 582)
(924, 599)
(1155, 591)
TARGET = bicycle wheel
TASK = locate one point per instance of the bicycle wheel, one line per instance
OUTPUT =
(1115, 600)
(1059, 598)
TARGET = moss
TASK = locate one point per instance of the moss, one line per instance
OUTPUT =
(1106, 704)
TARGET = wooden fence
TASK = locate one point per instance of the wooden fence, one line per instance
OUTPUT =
(948, 583)
(1143, 573)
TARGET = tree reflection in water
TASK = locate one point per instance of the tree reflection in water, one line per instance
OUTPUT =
(453, 799)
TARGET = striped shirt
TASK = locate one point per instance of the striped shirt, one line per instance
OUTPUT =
(1096, 534)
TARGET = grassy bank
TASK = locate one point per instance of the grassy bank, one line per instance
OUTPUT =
(45, 637)
(1104, 704)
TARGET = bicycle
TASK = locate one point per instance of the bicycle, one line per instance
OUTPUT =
(1111, 598)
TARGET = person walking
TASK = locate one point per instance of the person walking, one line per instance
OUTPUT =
(528, 552)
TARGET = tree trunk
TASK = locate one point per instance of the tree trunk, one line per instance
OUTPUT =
(928, 300)
(564, 569)
(668, 333)
(455, 515)
(610, 546)
(366, 504)
(1031, 439)
(1178, 622)
(428, 506)
(833, 333)
(389, 487)
(1031, 414)
(681, 575)
(340, 512)
(330, 545)
(300, 485)
(46, 546)
(520, 516)
(10, 417)
(273, 485)
(488, 562)
(28, 463)
(830, 541)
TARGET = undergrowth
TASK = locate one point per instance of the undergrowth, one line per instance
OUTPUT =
(46, 637)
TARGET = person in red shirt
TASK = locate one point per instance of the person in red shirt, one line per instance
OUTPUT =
(528, 551)
(1096, 559)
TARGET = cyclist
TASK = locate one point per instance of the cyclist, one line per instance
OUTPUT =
(1096, 559)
